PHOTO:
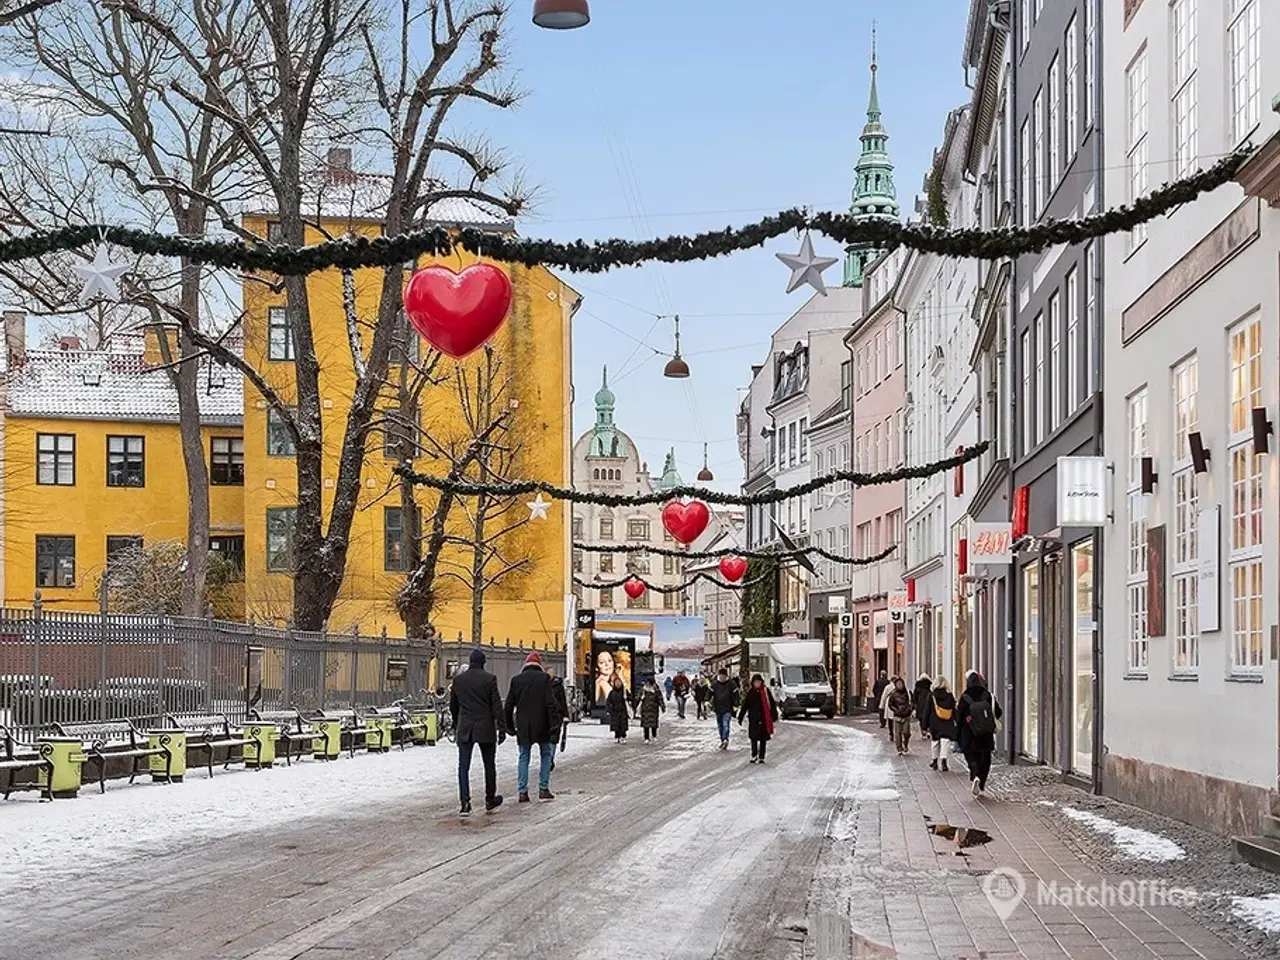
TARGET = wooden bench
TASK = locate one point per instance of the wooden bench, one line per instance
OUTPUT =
(290, 723)
(353, 728)
(118, 740)
(208, 733)
(23, 756)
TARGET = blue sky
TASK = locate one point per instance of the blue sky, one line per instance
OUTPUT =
(675, 116)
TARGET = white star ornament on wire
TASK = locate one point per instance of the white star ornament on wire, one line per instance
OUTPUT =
(101, 277)
(807, 267)
(538, 508)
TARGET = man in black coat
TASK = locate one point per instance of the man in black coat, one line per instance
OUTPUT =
(562, 701)
(723, 694)
(533, 715)
(476, 708)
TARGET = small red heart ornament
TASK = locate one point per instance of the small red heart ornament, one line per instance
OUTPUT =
(458, 312)
(634, 588)
(686, 521)
(733, 569)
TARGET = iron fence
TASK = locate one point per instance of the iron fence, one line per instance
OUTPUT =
(60, 667)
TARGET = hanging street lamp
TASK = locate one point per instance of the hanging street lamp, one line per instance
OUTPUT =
(705, 473)
(676, 368)
(561, 14)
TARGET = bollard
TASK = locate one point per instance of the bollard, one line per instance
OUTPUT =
(68, 758)
(172, 767)
(260, 752)
(378, 733)
(425, 727)
(327, 741)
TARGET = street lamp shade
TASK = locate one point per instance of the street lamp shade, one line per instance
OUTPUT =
(561, 14)
(676, 368)
(705, 473)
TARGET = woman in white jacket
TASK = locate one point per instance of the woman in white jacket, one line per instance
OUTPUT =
(884, 704)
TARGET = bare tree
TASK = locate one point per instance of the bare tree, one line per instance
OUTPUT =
(148, 579)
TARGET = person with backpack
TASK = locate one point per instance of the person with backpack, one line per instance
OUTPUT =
(669, 685)
(977, 713)
(920, 697)
(941, 726)
(901, 707)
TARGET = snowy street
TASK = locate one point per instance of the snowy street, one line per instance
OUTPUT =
(672, 850)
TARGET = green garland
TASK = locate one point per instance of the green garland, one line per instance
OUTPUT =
(656, 588)
(580, 256)
(520, 488)
(745, 554)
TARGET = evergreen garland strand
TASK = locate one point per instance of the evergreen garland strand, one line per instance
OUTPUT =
(611, 584)
(580, 256)
(630, 548)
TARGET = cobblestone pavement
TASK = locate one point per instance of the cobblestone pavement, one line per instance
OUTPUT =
(668, 851)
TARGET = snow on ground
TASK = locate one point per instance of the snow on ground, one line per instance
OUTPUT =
(1139, 844)
(42, 842)
(1261, 912)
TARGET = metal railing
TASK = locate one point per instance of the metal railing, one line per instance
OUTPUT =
(68, 668)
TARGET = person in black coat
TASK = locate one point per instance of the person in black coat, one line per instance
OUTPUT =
(877, 696)
(723, 692)
(562, 701)
(533, 715)
(976, 714)
(942, 722)
(650, 707)
(761, 710)
(920, 697)
(619, 715)
(476, 709)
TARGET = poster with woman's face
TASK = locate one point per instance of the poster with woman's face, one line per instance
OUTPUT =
(610, 659)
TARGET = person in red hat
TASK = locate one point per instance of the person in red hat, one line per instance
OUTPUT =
(533, 716)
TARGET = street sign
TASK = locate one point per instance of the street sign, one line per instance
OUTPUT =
(585, 620)
(1083, 483)
(991, 543)
(846, 621)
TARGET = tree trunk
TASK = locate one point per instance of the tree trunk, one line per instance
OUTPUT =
(477, 572)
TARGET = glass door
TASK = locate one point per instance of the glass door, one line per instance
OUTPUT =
(1030, 745)
(1082, 658)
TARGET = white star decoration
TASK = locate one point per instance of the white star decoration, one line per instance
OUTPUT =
(101, 277)
(806, 267)
(538, 508)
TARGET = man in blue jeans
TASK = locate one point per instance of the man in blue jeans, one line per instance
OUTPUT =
(476, 708)
(533, 715)
(722, 694)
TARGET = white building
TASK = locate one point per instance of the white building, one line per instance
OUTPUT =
(1190, 599)
(719, 607)
(606, 460)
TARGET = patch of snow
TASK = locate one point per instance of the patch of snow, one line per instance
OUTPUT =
(1045, 803)
(1261, 912)
(1139, 844)
(876, 793)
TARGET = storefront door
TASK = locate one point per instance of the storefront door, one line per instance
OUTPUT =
(1029, 694)
(1083, 627)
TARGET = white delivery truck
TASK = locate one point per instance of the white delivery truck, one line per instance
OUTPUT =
(796, 675)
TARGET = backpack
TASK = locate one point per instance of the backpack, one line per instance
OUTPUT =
(982, 720)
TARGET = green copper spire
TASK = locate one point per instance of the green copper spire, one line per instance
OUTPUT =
(604, 439)
(874, 194)
(670, 475)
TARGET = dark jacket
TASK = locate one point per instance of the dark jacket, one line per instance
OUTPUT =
(562, 698)
(941, 729)
(920, 696)
(681, 686)
(476, 706)
(651, 705)
(900, 705)
(969, 743)
(619, 715)
(532, 712)
(722, 695)
(753, 708)
(701, 690)
(877, 691)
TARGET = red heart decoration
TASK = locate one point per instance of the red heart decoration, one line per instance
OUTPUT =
(458, 312)
(634, 588)
(733, 569)
(686, 521)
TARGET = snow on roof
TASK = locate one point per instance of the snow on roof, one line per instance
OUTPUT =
(115, 385)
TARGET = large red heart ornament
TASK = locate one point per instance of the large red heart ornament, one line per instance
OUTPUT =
(686, 521)
(634, 588)
(733, 569)
(458, 312)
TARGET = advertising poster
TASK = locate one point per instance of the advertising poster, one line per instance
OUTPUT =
(611, 657)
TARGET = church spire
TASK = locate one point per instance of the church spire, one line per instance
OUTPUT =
(604, 440)
(874, 193)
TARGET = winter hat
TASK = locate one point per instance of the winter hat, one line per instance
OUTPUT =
(477, 657)
(533, 658)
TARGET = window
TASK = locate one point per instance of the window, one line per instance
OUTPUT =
(637, 529)
(638, 603)
(1054, 171)
(1244, 49)
(1136, 518)
(399, 434)
(606, 598)
(226, 461)
(126, 464)
(820, 493)
(606, 563)
(671, 601)
(1039, 178)
(1071, 78)
(669, 566)
(1042, 381)
(606, 528)
(1183, 13)
(55, 561)
(1090, 61)
(394, 554)
(1135, 83)
(1055, 374)
(1186, 519)
(56, 459)
(1074, 346)
(118, 546)
(280, 525)
(231, 549)
(804, 439)
(279, 334)
(876, 458)
(279, 439)
(1024, 22)
(577, 528)
(792, 444)
(1245, 498)
(845, 385)
(1024, 176)
(1027, 398)
(1092, 333)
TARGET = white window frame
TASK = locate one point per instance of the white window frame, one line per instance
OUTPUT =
(1024, 23)
(1137, 648)
(1074, 351)
(1039, 182)
(1042, 383)
(1090, 62)
(1137, 87)
(1054, 372)
(1244, 68)
(1053, 171)
(1245, 489)
(1092, 332)
(1027, 398)
(1071, 86)
(1185, 560)
(1183, 108)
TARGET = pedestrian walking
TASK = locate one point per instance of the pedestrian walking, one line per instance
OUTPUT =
(977, 718)
(884, 706)
(475, 706)
(669, 684)
(901, 707)
(920, 698)
(761, 713)
(562, 701)
(681, 686)
(701, 694)
(942, 723)
(877, 696)
(651, 705)
(723, 693)
(618, 713)
(533, 715)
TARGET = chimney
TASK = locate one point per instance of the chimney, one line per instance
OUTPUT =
(151, 354)
(339, 164)
(15, 336)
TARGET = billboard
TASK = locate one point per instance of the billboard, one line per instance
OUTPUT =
(611, 657)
